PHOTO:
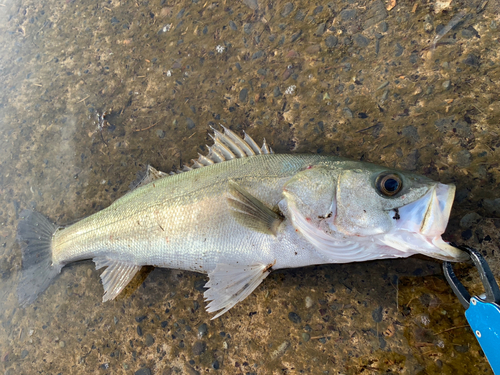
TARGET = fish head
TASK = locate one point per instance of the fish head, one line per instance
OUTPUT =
(387, 212)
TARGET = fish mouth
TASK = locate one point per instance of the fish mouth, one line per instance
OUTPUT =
(421, 224)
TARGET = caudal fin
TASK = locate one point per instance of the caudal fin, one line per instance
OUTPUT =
(34, 233)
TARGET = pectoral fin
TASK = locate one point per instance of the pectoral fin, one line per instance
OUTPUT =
(230, 284)
(251, 212)
(115, 277)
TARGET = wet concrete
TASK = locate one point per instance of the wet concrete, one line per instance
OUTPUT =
(92, 92)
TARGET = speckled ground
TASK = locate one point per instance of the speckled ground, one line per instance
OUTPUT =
(360, 79)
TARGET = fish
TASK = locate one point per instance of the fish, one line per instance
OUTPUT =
(240, 212)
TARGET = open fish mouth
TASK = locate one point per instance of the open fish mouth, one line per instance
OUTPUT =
(421, 224)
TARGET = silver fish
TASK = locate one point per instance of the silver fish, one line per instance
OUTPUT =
(241, 212)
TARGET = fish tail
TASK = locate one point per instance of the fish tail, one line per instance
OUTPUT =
(34, 233)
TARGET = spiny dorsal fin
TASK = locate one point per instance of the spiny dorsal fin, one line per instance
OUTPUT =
(227, 146)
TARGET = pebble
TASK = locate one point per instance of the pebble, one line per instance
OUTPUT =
(306, 337)
(296, 36)
(115, 320)
(62, 344)
(470, 219)
(139, 319)
(243, 95)
(294, 317)
(472, 60)
(202, 330)
(398, 50)
(446, 84)
(24, 354)
(252, 4)
(321, 29)
(143, 371)
(149, 340)
(199, 347)
(463, 158)
(281, 350)
(287, 9)
(276, 91)
(348, 14)
(377, 314)
(348, 112)
(247, 28)
(190, 123)
(139, 330)
(199, 285)
(361, 40)
(160, 133)
(309, 302)
(233, 26)
(257, 55)
(331, 41)
(215, 365)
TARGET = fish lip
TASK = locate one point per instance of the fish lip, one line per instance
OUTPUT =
(427, 219)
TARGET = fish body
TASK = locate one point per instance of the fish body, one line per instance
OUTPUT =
(241, 212)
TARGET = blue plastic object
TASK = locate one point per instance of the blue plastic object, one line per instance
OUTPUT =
(482, 313)
(484, 319)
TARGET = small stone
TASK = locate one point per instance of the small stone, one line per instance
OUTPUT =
(463, 158)
(243, 95)
(306, 337)
(190, 123)
(384, 27)
(309, 302)
(139, 319)
(62, 344)
(281, 350)
(24, 354)
(294, 317)
(318, 10)
(181, 13)
(199, 285)
(247, 28)
(160, 133)
(143, 371)
(377, 314)
(331, 41)
(114, 20)
(472, 60)
(215, 365)
(164, 323)
(149, 340)
(202, 330)
(361, 40)
(115, 320)
(287, 9)
(252, 4)
(348, 112)
(321, 29)
(348, 14)
(296, 36)
(398, 50)
(233, 26)
(199, 347)
(411, 133)
(446, 84)
(315, 48)
(428, 27)
(257, 55)
(139, 330)
(492, 206)
(276, 92)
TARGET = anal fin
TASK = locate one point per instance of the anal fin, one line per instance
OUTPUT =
(115, 277)
(230, 284)
(251, 212)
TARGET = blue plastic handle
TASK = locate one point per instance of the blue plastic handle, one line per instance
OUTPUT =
(484, 319)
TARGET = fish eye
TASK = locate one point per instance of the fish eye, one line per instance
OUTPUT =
(389, 184)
